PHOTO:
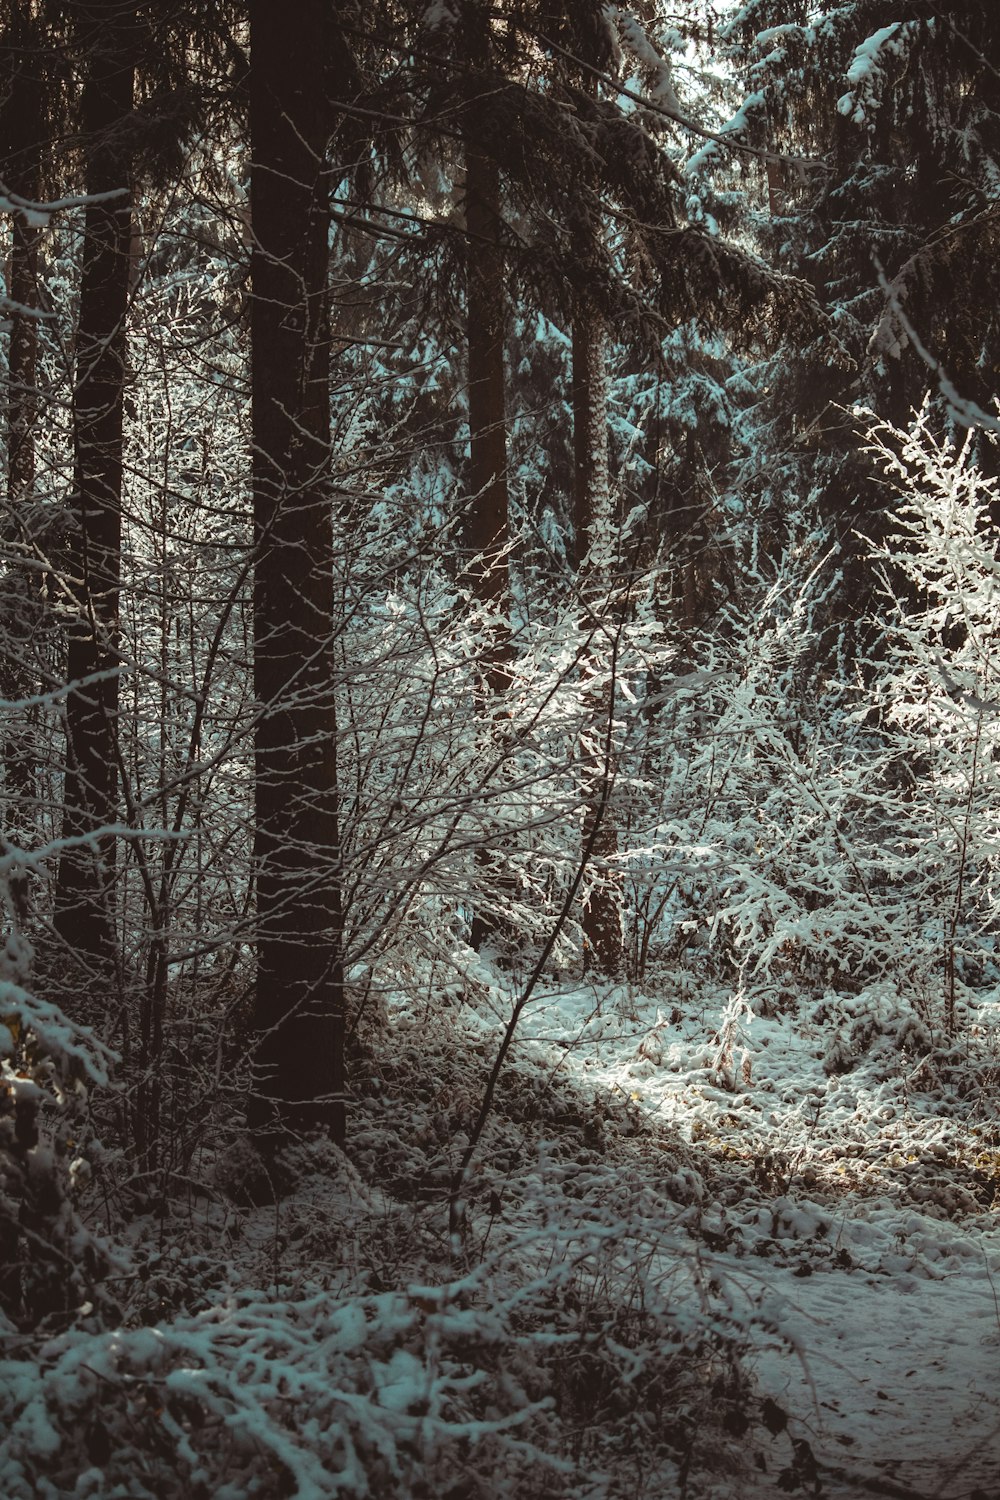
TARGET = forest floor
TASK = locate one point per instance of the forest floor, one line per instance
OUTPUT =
(837, 1176)
(716, 1246)
(851, 1177)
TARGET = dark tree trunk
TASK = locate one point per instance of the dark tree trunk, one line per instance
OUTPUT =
(23, 90)
(299, 995)
(22, 389)
(22, 115)
(596, 549)
(487, 519)
(84, 902)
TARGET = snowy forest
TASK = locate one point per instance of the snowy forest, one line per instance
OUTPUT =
(499, 749)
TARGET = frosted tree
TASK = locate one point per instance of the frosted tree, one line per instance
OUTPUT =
(938, 696)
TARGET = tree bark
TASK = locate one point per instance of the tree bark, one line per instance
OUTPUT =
(487, 524)
(596, 549)
(22, 115)
(299, 1004)
(22, 408)
(22, 130)
(84, 899)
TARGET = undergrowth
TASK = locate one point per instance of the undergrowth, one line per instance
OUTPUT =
(340, 1342)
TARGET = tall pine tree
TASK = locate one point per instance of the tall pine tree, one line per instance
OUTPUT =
(298, 1009)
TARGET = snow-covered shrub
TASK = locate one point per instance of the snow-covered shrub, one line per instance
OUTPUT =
(459, 805)
(938, 701)
(579, 1354)
(51, 1266)
(757, 772)
(814, 829)
(879, 1020)
(384, 1395)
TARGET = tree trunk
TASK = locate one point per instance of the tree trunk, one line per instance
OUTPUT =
(22, 115)
(22, 391)
(596, 550)
(486, 530)
(487, 522)
(84, 900)
(299, 1004)
(22, 130)
(593, 521)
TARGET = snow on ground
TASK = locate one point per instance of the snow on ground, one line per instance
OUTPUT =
(675, 1190)
(849, 1204)
(897, 1378)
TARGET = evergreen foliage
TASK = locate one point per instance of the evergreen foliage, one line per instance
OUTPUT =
(880, 188)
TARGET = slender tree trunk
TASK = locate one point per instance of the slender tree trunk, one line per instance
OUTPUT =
(487, 524)
(22, 115)
(299, 1006)
(596, 547)
(22, 389)
(84, 901)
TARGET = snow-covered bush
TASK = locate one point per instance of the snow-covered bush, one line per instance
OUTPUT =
(938, 701)
(756, 771)
(573, 1356)
(51, 1265)
(257, 1397)
(457, 805)
(878, 1019)
(815, 829)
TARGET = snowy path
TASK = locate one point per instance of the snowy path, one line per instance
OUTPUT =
(899, 1378)
(887, 1304)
